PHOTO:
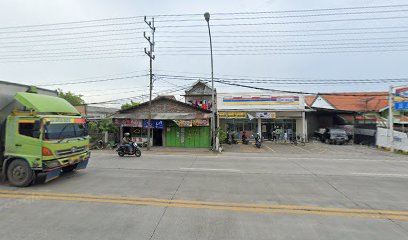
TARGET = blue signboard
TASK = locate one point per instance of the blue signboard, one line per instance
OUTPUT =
(401, 99)
(159, 124)
(401, 106)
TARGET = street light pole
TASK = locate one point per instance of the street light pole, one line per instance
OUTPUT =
(213, 134)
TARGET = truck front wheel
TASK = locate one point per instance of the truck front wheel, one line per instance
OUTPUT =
(19, 173)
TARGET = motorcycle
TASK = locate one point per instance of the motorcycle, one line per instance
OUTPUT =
(124, 150)
(258, 141)
(231, 139)
(245, 140)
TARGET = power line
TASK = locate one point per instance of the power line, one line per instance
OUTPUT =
(200, 14)
(290, 22)
(145, 95)
(70, 59)
(74, 38)
(69, 43)
(71, 28)
(285, 53)
(286, 35)
(297, 30)
(287, 80)
(285, 11)
(72, 33)
(189, 48)
(73, 48)
(286, 45)
(68, 53)
(287, 16)
(91, 81)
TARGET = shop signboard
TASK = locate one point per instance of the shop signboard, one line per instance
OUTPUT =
(158, 124)
(184, 123)
(232, 115)
(266, 115)
(201, 122)
(270, 100)
(401, 99)
(127, 122)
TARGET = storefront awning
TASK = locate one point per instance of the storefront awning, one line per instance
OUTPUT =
(165, 116)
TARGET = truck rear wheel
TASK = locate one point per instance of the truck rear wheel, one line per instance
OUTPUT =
(19, 173)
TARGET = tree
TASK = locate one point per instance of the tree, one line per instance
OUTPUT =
(129, 105)
(106, 125)
(74, 99)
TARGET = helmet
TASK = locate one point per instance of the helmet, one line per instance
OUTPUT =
(127, 134)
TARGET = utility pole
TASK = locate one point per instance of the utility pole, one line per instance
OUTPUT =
(151, 58)
(213, 132)
(391, 118)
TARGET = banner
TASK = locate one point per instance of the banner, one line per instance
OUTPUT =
(401, 99)
(267, 115)
(184, 123)
(201, 122)
(234, 115)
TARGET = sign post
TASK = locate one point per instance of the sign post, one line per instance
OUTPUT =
(398, 99)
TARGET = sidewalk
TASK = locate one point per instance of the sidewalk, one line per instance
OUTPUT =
(166, 151)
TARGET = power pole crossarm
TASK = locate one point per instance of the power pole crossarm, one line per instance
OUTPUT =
(151, 58)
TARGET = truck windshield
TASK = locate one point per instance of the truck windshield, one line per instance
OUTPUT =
(65, 130)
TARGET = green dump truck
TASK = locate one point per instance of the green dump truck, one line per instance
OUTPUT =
(41, 135)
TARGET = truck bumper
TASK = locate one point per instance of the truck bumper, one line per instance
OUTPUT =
(54, 173)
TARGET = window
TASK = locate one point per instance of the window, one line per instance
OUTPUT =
(26, 129)
(65, 130)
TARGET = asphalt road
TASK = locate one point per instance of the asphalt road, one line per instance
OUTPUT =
(277, 192)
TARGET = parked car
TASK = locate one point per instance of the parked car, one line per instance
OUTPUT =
(318, 134)
(335, 136)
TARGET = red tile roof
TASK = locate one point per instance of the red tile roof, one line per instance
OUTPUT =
(358, 101)
(310, 99)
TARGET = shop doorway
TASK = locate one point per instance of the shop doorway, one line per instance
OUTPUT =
(157, 137)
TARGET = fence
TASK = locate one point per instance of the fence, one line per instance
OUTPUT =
(400, 139)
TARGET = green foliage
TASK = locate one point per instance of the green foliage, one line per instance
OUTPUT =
(129, 105)
(222, 135)
(74, 99)
(93, 127)
(106, 125)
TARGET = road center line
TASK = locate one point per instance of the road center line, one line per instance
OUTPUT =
(210, 207)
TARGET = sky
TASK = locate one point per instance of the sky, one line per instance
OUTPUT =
(29, 57)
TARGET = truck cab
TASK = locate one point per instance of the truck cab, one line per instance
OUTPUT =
(44, 138)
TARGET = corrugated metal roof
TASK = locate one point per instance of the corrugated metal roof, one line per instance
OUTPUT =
(165, 116)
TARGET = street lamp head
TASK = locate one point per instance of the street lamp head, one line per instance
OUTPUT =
(207, 16)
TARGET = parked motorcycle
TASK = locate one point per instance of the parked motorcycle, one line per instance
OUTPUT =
(124, 150)
(231, 138)
(258, 140)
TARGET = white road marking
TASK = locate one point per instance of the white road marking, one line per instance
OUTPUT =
(269, 148)
(211, 169)
(382, 175)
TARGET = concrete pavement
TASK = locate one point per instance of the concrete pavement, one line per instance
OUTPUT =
(353, 179)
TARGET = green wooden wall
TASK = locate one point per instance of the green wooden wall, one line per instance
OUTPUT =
(189, 137)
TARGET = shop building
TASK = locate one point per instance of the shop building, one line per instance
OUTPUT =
(277, 116)
(173, 124)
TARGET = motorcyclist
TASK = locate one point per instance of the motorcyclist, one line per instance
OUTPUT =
(127, 141)
(244, 137)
